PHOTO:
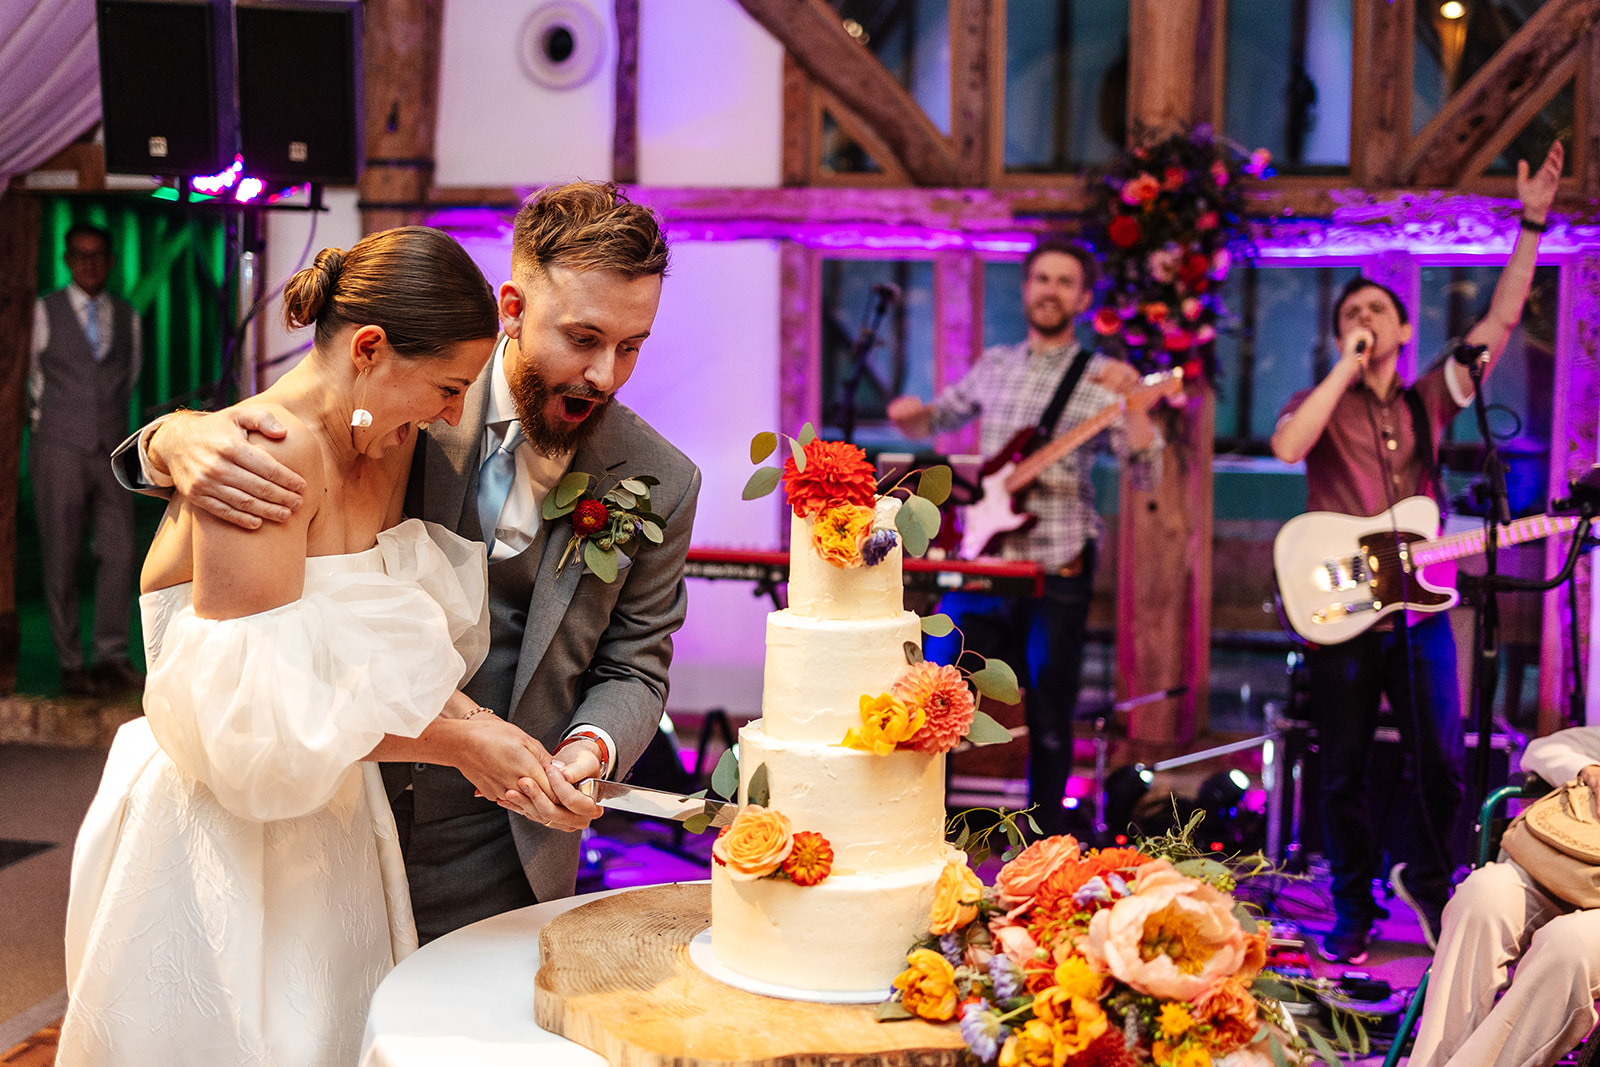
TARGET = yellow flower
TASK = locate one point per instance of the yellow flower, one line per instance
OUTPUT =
(1076, 977)
(1191, 1055)
(838, 532)
(1175, 1021)
(928, 986)
(755, 844)
(955, 898)
(885, 723)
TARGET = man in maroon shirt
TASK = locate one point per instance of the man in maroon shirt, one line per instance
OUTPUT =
(1358, 431)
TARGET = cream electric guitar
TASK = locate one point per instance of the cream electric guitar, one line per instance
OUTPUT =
(1005, 476)
(1339, 574)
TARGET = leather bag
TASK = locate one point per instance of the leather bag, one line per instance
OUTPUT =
(1556, 839)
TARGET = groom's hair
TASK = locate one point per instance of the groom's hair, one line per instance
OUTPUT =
(586, 226)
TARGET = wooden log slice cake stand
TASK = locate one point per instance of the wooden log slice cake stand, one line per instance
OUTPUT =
(615, 976)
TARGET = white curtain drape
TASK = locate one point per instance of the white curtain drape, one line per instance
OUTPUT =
(49, 80)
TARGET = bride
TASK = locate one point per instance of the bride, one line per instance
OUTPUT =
(237, 887)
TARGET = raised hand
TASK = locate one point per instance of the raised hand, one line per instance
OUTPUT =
(1537, 191)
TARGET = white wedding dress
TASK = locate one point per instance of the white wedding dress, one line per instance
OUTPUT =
(237, 886)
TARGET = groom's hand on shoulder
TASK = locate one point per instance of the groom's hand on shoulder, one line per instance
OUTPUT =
(213, 463)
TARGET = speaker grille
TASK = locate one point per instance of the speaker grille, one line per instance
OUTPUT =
(158, 88)
(299, 92)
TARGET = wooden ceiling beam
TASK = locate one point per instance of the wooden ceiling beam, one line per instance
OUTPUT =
(1476, 114)
(814, 36)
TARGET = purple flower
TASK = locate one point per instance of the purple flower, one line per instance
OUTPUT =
(1006, 976)
(951, 948)
(875, 549)
(983, 1031)
(1094, 891)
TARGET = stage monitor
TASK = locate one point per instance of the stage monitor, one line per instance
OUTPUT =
(300, 90)
(166, 86)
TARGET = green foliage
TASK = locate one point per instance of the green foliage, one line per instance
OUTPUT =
(934, 485)
(986, 731)
(997, 681)
(725, 778)
(759, 792)
(937, 625)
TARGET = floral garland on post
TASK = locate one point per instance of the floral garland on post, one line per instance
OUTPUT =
(1168, 220)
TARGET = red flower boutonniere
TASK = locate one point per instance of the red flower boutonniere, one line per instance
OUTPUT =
(608, 526)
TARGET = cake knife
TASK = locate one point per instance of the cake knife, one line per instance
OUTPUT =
(657, 803)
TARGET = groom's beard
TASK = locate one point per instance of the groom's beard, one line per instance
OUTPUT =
(532, 395)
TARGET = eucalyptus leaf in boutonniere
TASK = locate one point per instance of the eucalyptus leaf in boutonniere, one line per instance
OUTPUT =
(607, 526)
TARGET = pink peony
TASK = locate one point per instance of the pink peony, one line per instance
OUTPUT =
(1175, 938)
(1019, 880)
(941, 694)
(1017, 944)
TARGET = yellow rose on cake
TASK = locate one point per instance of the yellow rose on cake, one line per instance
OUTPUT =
(755, 844)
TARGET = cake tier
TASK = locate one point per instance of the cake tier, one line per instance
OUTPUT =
(818, 670)
(849, 933)
(820, 590)
(878, 812)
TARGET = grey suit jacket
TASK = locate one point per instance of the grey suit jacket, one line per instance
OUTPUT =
(592, 652)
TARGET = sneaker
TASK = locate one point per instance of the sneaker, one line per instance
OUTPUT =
(1347, 942)
(1427, 914)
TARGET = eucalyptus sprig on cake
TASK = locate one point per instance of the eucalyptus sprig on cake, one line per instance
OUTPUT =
(833, 484)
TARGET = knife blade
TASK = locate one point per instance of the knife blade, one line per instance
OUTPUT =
(657, 803)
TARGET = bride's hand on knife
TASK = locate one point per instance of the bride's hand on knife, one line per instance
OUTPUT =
(555, 798)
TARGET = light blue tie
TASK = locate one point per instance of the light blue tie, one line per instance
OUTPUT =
(494, 481)
(91, 328)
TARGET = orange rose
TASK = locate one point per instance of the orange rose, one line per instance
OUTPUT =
(838, 531)
(928, 986)
(1255, 953)
(755, 844)
(955, 898)
(1231, 1012)
(1020, 879)
(885, 723)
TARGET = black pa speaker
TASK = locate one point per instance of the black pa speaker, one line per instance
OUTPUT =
(300, 90)
(166, 86)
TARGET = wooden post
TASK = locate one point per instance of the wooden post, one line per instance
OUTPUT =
(19, 269)
(1164, 537)
(1381, 104)
(625, 125)
(400, 59)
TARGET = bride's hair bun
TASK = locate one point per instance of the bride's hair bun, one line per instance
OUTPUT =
(311, 291)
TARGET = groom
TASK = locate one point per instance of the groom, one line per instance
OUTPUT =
(578, 663)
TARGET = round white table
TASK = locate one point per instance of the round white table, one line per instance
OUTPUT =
(467, 999)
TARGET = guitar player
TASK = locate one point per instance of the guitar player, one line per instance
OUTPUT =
(1369, 440)
(1012, 387)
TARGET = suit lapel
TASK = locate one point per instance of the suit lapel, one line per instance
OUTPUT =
(553, 592)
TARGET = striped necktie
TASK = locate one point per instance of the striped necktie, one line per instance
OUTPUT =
(494, 481)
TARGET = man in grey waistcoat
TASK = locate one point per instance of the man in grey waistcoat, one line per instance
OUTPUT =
(577, 662)
(87, 351)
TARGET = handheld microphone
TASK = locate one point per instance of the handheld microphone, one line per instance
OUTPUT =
(1467, 355)
(1361, 346)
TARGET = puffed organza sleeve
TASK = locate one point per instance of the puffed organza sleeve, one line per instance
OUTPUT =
(272, 710)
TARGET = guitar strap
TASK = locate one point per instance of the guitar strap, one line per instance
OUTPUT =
(1422, 428)
(1058, 402)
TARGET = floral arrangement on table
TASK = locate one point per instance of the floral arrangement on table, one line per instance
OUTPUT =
(1117, 956)
(1168, 222)
(605, 526)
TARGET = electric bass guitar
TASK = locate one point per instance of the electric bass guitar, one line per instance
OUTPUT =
(1339, 574)
(998, 510)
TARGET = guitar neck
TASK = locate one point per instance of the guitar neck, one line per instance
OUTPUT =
(1028, 471)
(1473, 542)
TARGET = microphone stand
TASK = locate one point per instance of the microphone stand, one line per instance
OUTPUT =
(1486, 622)
(860, 349)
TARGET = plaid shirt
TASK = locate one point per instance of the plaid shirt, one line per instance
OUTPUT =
(1009, 387)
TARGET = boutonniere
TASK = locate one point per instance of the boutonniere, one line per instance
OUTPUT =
(604, 526)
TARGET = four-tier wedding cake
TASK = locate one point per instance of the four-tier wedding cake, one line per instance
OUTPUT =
(847, 758)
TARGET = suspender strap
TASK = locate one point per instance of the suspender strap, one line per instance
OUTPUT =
(1058, 402)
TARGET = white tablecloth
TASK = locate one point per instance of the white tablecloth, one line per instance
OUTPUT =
(467, 999)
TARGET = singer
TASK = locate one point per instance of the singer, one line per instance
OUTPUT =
(1369, 440)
